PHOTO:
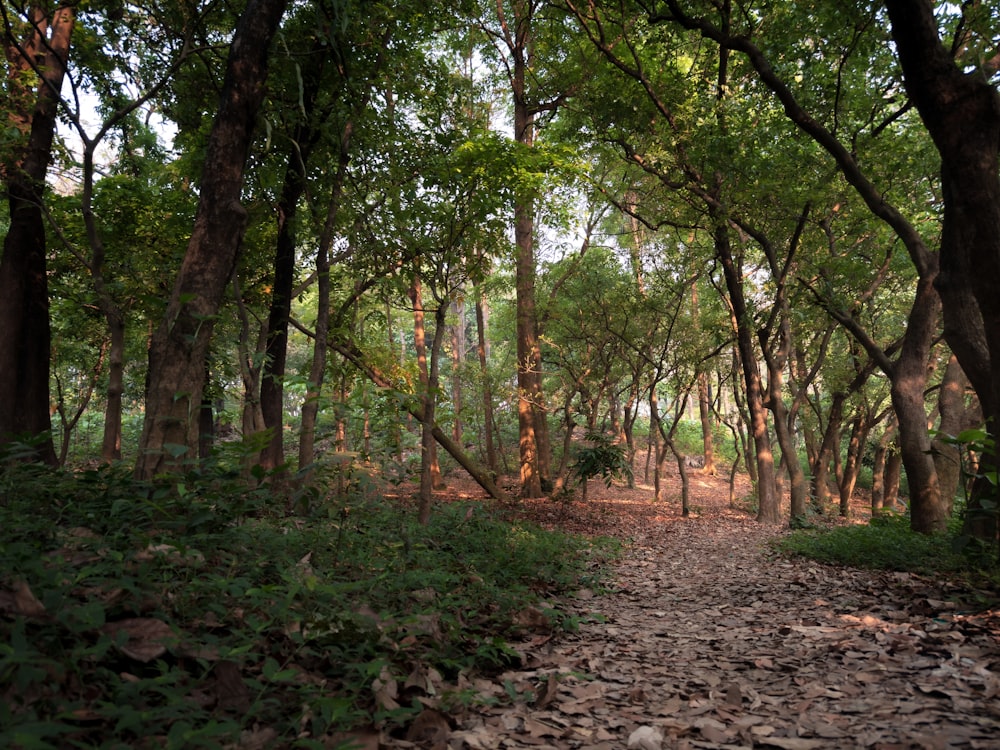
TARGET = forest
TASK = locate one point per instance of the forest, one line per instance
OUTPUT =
(267, 264)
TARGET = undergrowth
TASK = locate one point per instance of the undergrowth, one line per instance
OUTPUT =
(887, 543)
(182, 614)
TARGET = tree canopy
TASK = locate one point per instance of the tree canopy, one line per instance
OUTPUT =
(280, 225)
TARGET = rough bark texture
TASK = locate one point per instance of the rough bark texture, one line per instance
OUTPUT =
(962, 114)
(24, 296)
(180, 344)
(961, 111)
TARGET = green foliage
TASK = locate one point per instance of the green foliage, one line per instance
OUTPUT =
(259, 620)
(887, 543)
(602, 458)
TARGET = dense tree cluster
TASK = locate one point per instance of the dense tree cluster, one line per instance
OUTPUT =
(348, 231)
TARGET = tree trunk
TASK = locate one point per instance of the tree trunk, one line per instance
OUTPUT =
(768, 502)
(25, 335)
(704, 395)
(955, 417)
(317, 369)
(961, 111)
(909, 379)
(458, 347)
(855, 447)
(893, 471)
(180, 344)
(482, 478)
(530, 408)
(304, 137)
(482, 350)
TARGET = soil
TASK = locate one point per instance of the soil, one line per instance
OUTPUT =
(705, 637)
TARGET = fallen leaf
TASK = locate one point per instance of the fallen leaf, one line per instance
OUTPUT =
(147, 638)
(645, 738)
(430, 727)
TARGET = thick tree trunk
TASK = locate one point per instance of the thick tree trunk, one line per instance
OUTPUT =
(954, 418)
(961, 111)
(909, 380)
(180, 344)
(25, 335)
(532, 432)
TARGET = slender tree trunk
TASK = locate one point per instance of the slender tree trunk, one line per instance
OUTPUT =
(180, 344)
(458, 347)
(852, 465)
(317, 369)
(304, 137)
(821, 494)
(25, 335)
(68, 424)
(111, 442)
(704, 395)
(249, 355)
(206, 423)
(893, 471)
(481, 477)
(482, 350)
(768, 502)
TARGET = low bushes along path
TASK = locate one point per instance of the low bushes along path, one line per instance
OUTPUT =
(707, 639)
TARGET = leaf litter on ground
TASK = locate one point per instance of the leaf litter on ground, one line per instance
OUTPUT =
(706, 638)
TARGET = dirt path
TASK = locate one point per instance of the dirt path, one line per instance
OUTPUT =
(707, 640)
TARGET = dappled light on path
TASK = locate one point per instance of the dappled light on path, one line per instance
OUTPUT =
(708, 639)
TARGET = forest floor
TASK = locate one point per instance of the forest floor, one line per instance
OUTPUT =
(706, 638)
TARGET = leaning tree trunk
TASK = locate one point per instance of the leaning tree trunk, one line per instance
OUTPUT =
(177, 353)
(25, 335)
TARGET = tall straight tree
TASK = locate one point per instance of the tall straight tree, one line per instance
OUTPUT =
(177, 353)
(515, 35)
(37, 50)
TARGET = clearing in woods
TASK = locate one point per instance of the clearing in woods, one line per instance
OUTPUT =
(707, 639)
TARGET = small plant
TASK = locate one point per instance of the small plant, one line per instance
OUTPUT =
(196, 609)
(980, 492)
(887, 543)
(602, 458)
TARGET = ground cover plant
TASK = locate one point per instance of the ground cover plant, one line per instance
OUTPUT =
(198, 612)
(887, 542)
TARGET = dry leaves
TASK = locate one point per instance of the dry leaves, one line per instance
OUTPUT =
(707, 641)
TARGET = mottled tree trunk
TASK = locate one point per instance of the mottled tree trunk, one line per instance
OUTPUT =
(180, 344)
